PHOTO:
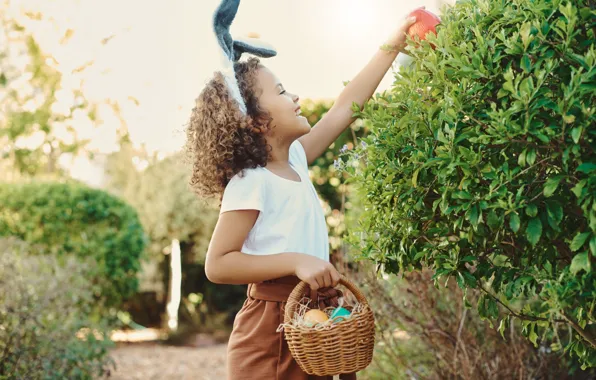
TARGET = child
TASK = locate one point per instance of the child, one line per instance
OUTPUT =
(271, 231)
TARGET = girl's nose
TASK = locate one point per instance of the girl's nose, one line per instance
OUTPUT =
(296, 98)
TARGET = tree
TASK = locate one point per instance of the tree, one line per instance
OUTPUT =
(158, 189)
(45, 113)
(481, 164)
(169, 211)
(36, 117)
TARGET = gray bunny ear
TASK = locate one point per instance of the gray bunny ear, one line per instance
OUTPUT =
(232, 50)
(222, 20)
(254, 47)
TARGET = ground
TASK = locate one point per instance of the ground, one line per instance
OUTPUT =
(148, 361)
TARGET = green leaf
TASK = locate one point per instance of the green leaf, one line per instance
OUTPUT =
(578, 188)
(493, 219)
(415, 177)
(481, 306)
(580, 262)
(551, 185)
(568, 119)
(586, 167)
(503, 325)
(555, 211)
(514, 222)
(473, 215)
(509, 87)
(461, 194)
(576, 134)
(531, 156)
(460, 280)
(419, 255)
(579, 240)
(524, 33)
(542, 137)
(531, 210)
(593, 245)
(527, 86)
(548, 267)
(526, 64)
(532, 336)
(493, 309)
(534, 231)
(521, 160)
(470, 280)
(547, 103)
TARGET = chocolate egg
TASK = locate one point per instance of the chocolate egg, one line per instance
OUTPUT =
(314, 317)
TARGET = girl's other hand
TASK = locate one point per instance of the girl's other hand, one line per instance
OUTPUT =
(315, 272)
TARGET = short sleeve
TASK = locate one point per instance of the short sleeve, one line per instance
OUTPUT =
(244, 193)
(297, 155)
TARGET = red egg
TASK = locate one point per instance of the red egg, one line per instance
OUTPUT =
(425, 22)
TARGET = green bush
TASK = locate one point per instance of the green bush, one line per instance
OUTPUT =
(72, 218)
(428, 333)
(45, 302)
(481, 164)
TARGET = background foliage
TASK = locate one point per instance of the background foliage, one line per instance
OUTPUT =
(71, 218)
(46, 314)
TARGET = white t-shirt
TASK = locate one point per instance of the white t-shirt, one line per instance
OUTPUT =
(291, 218)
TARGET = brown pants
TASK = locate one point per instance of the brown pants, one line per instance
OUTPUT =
(255, 350)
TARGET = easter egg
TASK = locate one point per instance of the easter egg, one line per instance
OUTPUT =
(313, 317)
(425, 22)
(340, 314)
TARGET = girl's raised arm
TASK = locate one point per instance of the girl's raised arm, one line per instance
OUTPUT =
(359, 91)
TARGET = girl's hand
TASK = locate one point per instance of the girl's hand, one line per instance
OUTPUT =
(315, 272)
(397, 41)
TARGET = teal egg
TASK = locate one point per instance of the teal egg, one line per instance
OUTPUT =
(340, 314)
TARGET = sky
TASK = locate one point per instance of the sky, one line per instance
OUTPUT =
(160, 53)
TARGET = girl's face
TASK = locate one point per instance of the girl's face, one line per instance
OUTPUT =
(282, 106)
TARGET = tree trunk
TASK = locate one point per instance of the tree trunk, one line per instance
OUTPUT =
(174, 288)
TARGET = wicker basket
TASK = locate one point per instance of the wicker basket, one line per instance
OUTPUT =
(346, 347)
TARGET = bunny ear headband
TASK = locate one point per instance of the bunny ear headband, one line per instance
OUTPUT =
(231, 49)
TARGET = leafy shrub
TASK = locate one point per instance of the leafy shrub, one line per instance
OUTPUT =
(481, 164)
(73, 218)
(428, 333)
(45, 301)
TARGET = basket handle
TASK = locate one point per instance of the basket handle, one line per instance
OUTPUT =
(300, 289)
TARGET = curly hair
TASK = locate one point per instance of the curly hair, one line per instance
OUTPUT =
(220, 140)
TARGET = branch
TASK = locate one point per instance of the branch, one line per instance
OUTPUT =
(584, 334)
(520, 173)
(520, 315)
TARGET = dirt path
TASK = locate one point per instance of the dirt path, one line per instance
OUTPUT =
(150, 361)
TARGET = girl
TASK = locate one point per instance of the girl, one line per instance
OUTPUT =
(271, 231)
